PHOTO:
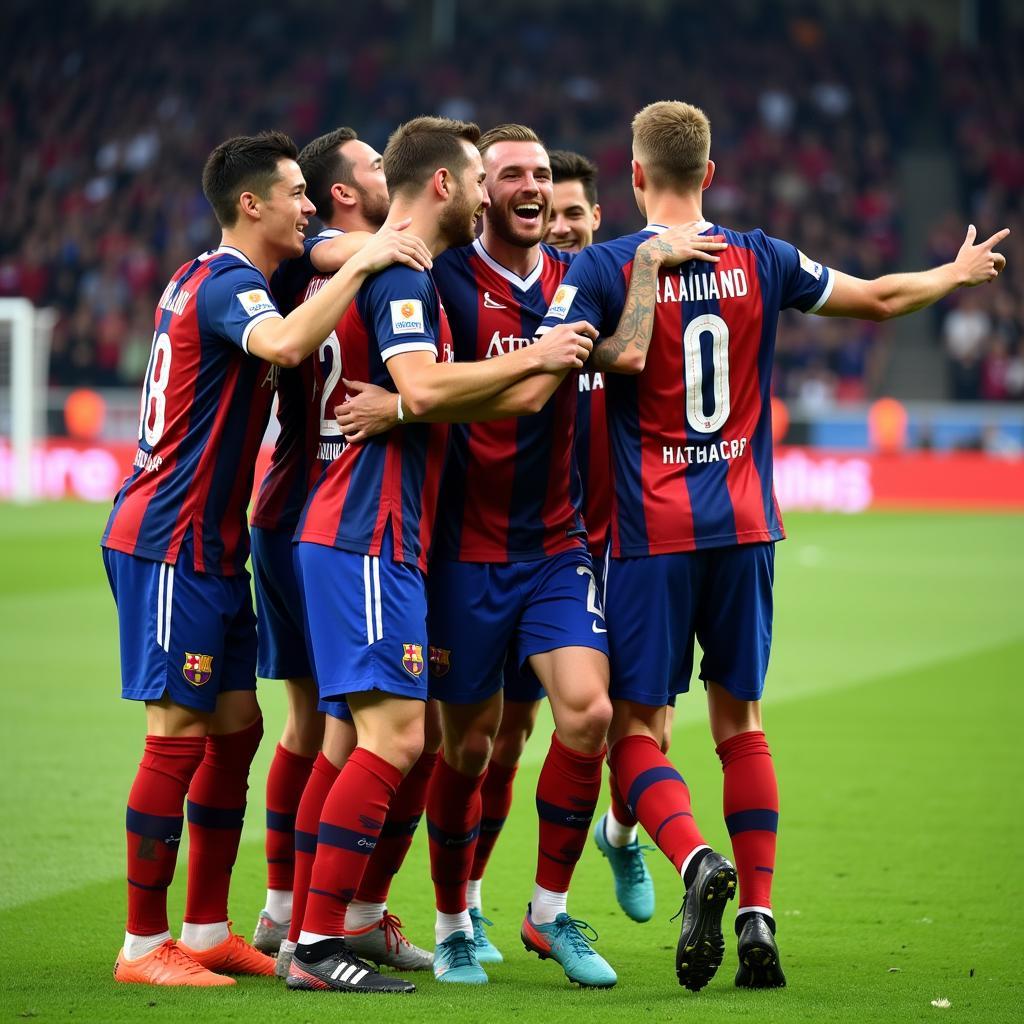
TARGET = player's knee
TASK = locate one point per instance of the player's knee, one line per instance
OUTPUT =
(586, 726)
(405, 749)
(509, 747)
(471, 753)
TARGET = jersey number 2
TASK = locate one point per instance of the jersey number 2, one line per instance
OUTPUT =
(329, 425)
(701, 421)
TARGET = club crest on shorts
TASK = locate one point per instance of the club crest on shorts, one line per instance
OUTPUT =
(412, 659)
(198, 668)
(440, 661)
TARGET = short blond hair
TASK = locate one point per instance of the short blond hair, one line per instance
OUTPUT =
(672, 141)
(506, 133)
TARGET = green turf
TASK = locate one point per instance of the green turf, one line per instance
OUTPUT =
(893, 708)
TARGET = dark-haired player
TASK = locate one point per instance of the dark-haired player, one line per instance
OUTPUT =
(366, 528)
(694, 520)
(345, 180)
(176, 544)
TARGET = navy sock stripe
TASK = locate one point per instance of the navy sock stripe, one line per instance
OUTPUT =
(558, 860)
(450, 840)
(566, 817)
(393, 829)
(305, 842)
(346, 839)
(651, 777)
(329, 895)
(154, 826)
(761, 867)
(671, 817)
(150, 888)
(492, 824)
(280, 860)
(758, 819)
(280, 822)
(215, 817)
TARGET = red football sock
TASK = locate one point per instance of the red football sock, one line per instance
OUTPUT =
(622, 814)
(751, 805)
(216, 810)
(657, 795)
(285, 782)
(495, 801)
(307, 822)
(453, 824)
(154, 822)
(396, 837)
(350, 824)
(567, 792)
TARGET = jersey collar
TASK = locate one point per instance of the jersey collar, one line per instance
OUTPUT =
(657, 229)
(220, 250)
(522, 283)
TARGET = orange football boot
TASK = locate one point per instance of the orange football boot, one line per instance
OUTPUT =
(232, 956)
(168, 964)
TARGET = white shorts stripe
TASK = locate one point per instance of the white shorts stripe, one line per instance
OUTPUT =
(367, 600)
(160, 606)
(376, 599)
(170, 607)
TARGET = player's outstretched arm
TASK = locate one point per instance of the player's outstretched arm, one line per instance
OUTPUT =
(625, 351)
(330, 256)
(514, 384)
(288, 341)
(899, 294)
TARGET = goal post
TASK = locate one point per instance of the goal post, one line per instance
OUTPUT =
(25, 334)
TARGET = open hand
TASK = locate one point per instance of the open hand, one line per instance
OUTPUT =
(393, 243)
(681, 243)
(368, 411)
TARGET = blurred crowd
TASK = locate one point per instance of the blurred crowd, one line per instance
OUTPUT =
(105, 121)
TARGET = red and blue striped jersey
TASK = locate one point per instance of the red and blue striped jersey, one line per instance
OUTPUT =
(293, 467)
(509, 493)
(392, 479)
(592, 457)
(691, 436)
(205, 406)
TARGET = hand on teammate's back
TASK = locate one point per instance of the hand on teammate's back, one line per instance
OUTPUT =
(566, 346)
(369, 410)
(978, 263)
(681, 243)
(393, 244)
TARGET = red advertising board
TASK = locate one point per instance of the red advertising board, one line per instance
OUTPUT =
(806, 479)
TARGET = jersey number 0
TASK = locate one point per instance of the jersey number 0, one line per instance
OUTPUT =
(707, 422)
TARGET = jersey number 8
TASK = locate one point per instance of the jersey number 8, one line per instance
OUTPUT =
(152, 414)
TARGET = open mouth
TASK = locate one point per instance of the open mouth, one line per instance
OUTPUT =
(530, 212)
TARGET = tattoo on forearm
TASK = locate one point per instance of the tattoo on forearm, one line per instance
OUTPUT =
(637, 320)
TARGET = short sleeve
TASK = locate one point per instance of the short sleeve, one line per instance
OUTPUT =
(582, 295)
(805, 285)
(236, 299)
(291, 278)
(402, 305)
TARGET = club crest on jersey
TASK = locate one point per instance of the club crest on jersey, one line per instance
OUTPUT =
(256, 301)
(412, 659)
(198, 668)
(809, 266)
(407, 316)
(562, 302)
(440, 661)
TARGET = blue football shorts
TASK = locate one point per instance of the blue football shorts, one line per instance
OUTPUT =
(366, 621)
(656, 606)
(279, 626)
(480, 611)
(190, 635)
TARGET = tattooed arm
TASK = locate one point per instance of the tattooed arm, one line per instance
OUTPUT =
(625, 351)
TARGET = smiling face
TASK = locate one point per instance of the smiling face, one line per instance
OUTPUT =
(573, 219)
(469, 199)
(519, 184)
(285, 210)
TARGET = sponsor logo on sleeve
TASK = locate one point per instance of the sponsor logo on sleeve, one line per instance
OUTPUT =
(407, 316)
(809, 266)
(562, 302)
(255, 302)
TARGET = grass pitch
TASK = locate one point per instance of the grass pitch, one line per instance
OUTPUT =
(892, 707)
